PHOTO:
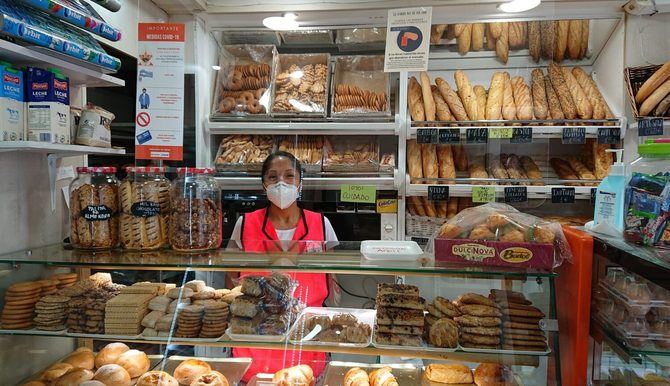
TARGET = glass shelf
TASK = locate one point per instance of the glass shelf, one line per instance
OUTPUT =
(346, 258)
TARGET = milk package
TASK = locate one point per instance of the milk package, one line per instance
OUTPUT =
(48, 106)
(12, 106)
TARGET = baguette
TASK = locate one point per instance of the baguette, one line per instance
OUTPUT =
(467, 95)
(490, 40)
(662, 108)
(426, 93)
(522, 101)
(495, 167)
(534, 40)
(458, 29)
(477, 171)
(562, 91)
(513, 166)
(530, 168)
(585, 39)
(540, 106)
(429, 207)
(502, 43)
(575, 39)
(416, 206)
(452, 207)
(562, 29)
(495, 98)
(445, 158)
(563, 169)
(454, 102)
(555, 111)
(582, 171)
(591, 90)
(480, 92)
(436, 32)
(655, 98)
(441, 209)
(496, 29)
(441, 107)
(584, 107)
(588, 157)
(465, 39)
(451, 32)
(477, 36)
(515, 33)
(429, 160)
(414, 159)
(460, 157)
(548, 40)
(655, 81)
(508, 106)
(602, 160)
(415, 101)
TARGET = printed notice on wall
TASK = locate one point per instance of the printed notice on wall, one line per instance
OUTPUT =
(159, 119)
(408, 39)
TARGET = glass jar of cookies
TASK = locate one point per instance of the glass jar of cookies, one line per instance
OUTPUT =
(196, 220)
(94, 208)
(144, 196)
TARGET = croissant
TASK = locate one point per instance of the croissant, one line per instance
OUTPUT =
(383, 377)
(356, 377)
(297, 375)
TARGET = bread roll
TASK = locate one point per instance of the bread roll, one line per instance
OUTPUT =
(383, 377)
(490, 40)
(530, 168)
(585, 39)
(502, 43)
(297, 375)
(555, 111)
(189, 370)
(92, 382)
(55, 371)
(441, 107)
(562, 91)
(414, 163)
(135, 362)
(662, 108)
(454, 102)
(436, 32)
(540, 105)
(81, 359)
(534, 40)
(508, 106)
(460, 157)
(655, 98)
(429, 207)
(427, 95)
(562, 30)
(415, 101)
(522, 100)
(465, 39)
(429, 161)
(74, 377)
(477, 36)
(575, 39)
(458, 29)
(448, 373)
(110, 353)
(478, 171)
(480, 92)
(584, 107)
(156, 378)
(591, 90)
(548, 41)
(356, 377)
(446, 162)
(112, 375)
(493, 374)
(655, 81)
(212, 378)
(494, 100)
(416, 206)
(452, 207)
(467, 95)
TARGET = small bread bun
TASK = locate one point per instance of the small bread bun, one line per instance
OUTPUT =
(157, 378)
(74, 377)
(112, 375)
(189, 370)
(55, 371)
(92, 383)
(212, 378)
(110, 354)
(135, 362)
(83, 359)
(493, 374)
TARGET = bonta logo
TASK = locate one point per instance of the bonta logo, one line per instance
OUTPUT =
(409, 38)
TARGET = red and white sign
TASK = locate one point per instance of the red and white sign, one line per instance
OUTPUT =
(159, 123)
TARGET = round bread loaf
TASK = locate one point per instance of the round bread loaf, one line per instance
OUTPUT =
(157, 378)
(112, 375)
(189, 370)
(74, 377)
(135, 362)
(82, 359)
(212, 378)
(493, 374)
(55, 371)
(110, 354)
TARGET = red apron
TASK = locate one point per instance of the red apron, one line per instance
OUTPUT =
(259, 235)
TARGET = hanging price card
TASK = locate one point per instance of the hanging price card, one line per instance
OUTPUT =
(609, 135)
(574, 135)
(650, 126)
(426, 135)
(522, 135)
(483, 194)
(478, 135)
(562, 195)
(516, 194)
(500, 132)
(438, 193)
(448, 136)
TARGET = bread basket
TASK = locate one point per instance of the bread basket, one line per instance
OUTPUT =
(635, 78)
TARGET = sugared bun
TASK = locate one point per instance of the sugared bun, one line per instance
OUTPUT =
(189, 370)
(110, 354)
(157, 378)
(92, 383)
(212, 378)
(55, 371)
(135, 362)
(74, 377)
(83, 359)
(112, 375)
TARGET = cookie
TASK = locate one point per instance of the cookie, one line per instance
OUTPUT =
(522, 326)
(27, 286)
(55, 299)
(523, 332)
(56, 327)
(525, 343)
(479, 310)
(17, 314)
(479, 339)
(521, 319)
(524, 313)
(524, 337)
(18, 307)
(473, 298)
(21, 325)
(491, 331)
(474, 321)
(523, 348)
(204, 295)
(481, 346)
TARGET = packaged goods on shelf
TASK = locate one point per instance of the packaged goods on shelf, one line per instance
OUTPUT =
(649, 90)
(360, 87)
(337, 326)
(245, 80)
(243, 153)
(499, 235)
(301, 84)
(12, 104)
(48, 106)
(351, 154)
(36, 27)
(94, 128)
(307, 149)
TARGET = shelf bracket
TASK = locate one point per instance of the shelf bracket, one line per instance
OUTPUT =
(52, 161)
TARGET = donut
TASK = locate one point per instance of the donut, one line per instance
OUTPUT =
(234, 84)
(227, 105)
(255, 107)
(259, 93)
(246, 97)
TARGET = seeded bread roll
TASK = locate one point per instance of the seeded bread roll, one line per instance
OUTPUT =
(441, 107)
(540, 106)
(548, 41)
(508, 106)
(454, 102)
(494, 100)
(414, 162)
(562, 91)
(480, 92)
(584, 107)
(534, 40)
(522, 101)
(477, 36)
(502, 43)
(555, 111)
(426, 93)
(445, 158)
(465, 39)
(589, 86)
(563, 27)
(575, 39)
(585, 39)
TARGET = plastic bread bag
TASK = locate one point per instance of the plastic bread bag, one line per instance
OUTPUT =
(276, 289)
(308, 149)
(244, 80)
(301, 84)
(502, 222)
(360, 86)
(361, 36)
(351, 153)
(243, 152)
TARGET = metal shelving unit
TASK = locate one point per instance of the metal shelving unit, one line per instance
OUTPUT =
(62, 150)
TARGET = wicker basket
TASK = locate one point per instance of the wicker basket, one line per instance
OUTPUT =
(635, 78)
(422, 226)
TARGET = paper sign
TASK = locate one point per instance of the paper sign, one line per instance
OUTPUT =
(407, 39)
(366, 194)
(650, 126)
(500, 132)
(159, 119)
(481, 194)
(438, 193)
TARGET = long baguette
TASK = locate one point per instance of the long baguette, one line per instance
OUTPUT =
(555, 111)
(460, 157)
(561, 39)
(436, 32)
(415, 101)
(458, 29)
(540, 106)
(445, 157)
(515, 32)
(662, 108)
(414, 159)
(416, 206)
(522, 101)
(480, 92)
(532, 171)
(584, 107)
(561, 88)
(426, 93)
(591, 90)
(548, 31)
(490, 40)
(454, 102)
(496, 29)
(582, 171)
(465, 40)
(441, 209)
(477, 36)
(429, 160)
(655, 81)
(585, 39)
(467, 95)
(534, 40)
(655, 98)
(494, 100)
(441, 107)
(429, 207)
(508, 106)
(502, 43)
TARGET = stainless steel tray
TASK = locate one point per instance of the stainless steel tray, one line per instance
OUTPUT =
(232, 368)
(406, 374)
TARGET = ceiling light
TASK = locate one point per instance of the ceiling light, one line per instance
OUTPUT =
(216, 68)
(515, 6)
(286, 22)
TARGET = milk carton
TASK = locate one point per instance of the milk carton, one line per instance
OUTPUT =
(12, 106)
(48, 107)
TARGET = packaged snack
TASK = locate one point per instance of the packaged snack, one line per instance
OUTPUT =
(360, 86)
(243, 153)
(301, 84)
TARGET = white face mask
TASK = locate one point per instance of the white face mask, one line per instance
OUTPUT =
(282, 194)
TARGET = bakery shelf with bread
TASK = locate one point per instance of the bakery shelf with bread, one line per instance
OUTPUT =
(649, 90)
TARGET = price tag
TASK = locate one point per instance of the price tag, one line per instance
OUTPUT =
(500, 132)
(522, 135)
(483, 194)
(609, 135)
(649, 126)
(593, 195)
(563, 195)
(574, 135)
(420, 240)
(426, 135)
(96, 213)
(478, 135)
(516, 194)
(145, 209)
(438, 193)
(447, 136)
(366, 194)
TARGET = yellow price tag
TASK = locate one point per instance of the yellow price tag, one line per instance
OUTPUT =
(501, 132)
(483, 194)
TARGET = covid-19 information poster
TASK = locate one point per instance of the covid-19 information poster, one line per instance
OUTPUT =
(408, 39)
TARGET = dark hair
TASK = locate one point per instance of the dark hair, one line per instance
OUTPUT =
(280, 153)
(144, 89)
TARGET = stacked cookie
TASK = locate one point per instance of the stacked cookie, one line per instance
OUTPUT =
(479, 323)
(20, 299)
(124, 312)
(441, 329)
(51, 313)
(65, 279)
(49, 287)
(189, 321)
(215, 320)
(400, 319)
(86, 309)
(521, 326)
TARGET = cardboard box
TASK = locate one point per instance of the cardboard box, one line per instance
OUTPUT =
(495, 253)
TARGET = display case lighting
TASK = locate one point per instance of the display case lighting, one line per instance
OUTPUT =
(286, 22)
(515, 6)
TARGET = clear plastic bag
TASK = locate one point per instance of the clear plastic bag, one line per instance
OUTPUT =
(361, 35)
(307, 149)
(301, 84)
(351, 154)
(243, 152)
(244, 80)
(360, 86)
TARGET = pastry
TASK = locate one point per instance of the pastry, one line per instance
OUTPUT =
(540, 104)
(382, 377)
(401, 301)
(404, 330)
(400, 289)
(473, 298)
(212, 378)
(466, 339)
(352, 98)
(493, 374)
(446, 307)
(584, 107)
(399, 316)
(356, 377)
(189, 370)
(398, 339)
(479, 310)
(655, 81)
(442, 373)
(156, 378)
(491, 331)
(297, 375)
(112, 375)
(304, 94)
(443, 333)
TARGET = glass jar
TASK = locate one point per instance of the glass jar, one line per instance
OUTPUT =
(94, 208)
(196, 222)
(648, 195)
(144, 196)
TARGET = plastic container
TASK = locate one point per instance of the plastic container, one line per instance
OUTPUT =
(351, 154)
(647, 195)
(360, 87)
(94, 208)
(318, 326)
(196, 220)
(243, 153)
(391, 250)
(301, 85)
(144, 196)
(308, 149)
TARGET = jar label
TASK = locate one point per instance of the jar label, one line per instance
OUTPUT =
(96, 213)
(145, 209)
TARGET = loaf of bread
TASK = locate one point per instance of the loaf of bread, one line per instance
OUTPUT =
(655, 98)
(436, 32)
(458, 29)
(448, 374)
(575, 39)
(465, 39)
(415, 100)
(655, 81)
(416, 206)
(502, 43)
(508, 106)
(562, 29)
(452, 207)
(480, 92)
(490, 40)
(512, 165)
(427, 95)
(562, 91)
(460, 157)
(429, 207)
(540, 106)
(584, 107)
(477, 170)
(585, 39)
(441, 209)
(563, 169)
(495, 167)
(591, 90)
(467, 95)
(534, 40)
(555, 111)
(601, 160)
(663, 108)
(477, 36)
(429, 160)
(452, 99)
(522, 100)
(441, 107)
(516, 37)
(582, 171)
(548, 40)
(496, 29)
(445, 157)
(530, 168)
(414, 162)
(494, 100)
